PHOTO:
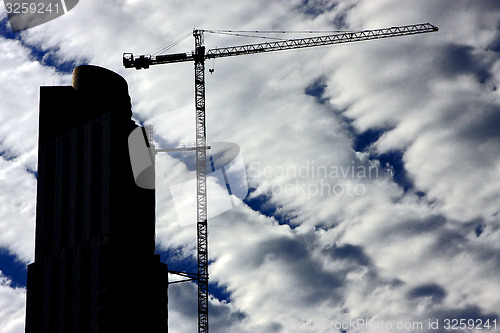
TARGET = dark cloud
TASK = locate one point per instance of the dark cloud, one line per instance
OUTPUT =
(6, 155)
(461, 59)
(394, 160)
(223, 317)
(282, 249)
(457, 59)
(431, 223)
(317, 89)
(432, 290)
(316, 8)
(479, 230)
(494, 45)
(351, 253)
(310, 280)
(263, 204)
(488, 257)
(411, 227)
(363, 140)
(452, 240)
(182, 297)
(483, 126)
(449, 242)
(476, 226)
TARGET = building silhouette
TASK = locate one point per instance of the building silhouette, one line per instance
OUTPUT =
(95, 267)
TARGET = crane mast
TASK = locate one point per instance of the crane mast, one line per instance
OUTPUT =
(198, 56)
(201, 182)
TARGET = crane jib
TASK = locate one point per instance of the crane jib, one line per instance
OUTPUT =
(347, 37)
(144, 61)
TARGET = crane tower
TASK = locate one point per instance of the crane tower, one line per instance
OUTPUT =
(199, 56)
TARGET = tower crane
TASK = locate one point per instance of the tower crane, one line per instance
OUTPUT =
(199, 56)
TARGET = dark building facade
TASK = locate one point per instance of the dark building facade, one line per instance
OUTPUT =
(95, 267)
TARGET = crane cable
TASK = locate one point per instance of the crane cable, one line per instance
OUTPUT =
(169, 46)
(230, 33)
(245, 33)
(277, 31)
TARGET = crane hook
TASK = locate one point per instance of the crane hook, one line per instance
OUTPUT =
(211, 70)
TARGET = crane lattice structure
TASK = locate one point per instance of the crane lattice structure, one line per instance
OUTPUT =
(199, 56)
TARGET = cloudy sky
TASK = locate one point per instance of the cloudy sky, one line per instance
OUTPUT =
(373, 168)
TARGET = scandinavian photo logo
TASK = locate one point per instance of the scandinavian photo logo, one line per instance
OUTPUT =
(225, 185)
(25, 14)
(311, 179)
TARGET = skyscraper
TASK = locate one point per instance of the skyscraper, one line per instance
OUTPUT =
(95, 267)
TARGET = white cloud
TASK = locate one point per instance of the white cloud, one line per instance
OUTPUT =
(20, 79)
(12, 307)
(17, 212)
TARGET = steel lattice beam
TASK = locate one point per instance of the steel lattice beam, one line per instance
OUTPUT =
(201, 183)
(347, 37)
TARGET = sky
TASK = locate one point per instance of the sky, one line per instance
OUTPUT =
(372, 168)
